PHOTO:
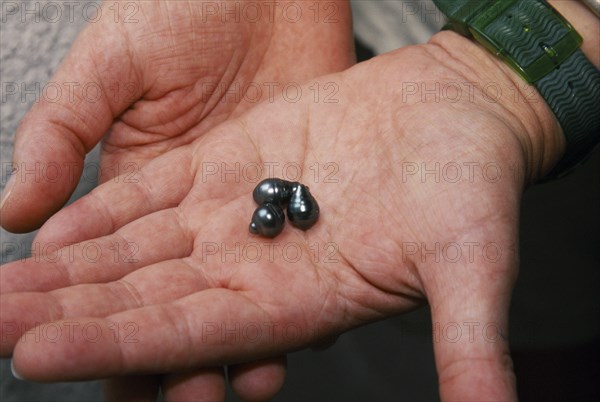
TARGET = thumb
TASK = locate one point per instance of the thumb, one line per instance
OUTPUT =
(94, 83)
(470, 335)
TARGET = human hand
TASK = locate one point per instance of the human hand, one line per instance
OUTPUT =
(373, 217)
(163, 68)
(161, 74)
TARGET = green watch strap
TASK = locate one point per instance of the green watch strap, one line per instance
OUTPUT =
(573, 93)
(542, 47)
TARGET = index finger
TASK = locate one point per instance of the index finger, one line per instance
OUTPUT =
(208, 328)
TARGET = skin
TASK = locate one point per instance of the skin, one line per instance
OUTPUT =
(154, 111)
(371, 133)
(372, 277)
(146, 109)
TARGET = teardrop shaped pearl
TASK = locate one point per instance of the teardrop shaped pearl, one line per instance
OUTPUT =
(303, 209)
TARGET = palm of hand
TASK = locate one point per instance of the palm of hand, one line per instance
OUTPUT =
(369, 217)
(192, 66)
(176, 63)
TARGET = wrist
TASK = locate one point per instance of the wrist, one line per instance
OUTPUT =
(570, 92)
(538, 132)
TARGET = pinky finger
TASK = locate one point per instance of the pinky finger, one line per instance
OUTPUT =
(259, 380)
(142, 388)
(197, 386)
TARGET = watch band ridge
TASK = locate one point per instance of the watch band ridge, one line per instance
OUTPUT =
(577, 88)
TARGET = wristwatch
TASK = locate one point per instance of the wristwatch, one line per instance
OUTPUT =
(543, 48)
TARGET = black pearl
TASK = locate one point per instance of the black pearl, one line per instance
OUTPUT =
(267, 220)
(302, 210)
(276, 191)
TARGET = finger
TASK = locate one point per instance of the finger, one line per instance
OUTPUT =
(101, 260)
(144, 287)
(470, 333)
(195, 386)
(21, 312)
(258, 380)
(53, 138)
(141, 388)
(205, 329)
(160, 184)
(324, 344)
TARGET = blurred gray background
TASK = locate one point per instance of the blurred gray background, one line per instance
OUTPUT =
(555, 323)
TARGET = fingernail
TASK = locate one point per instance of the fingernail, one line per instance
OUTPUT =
(7, 190)
(14, 372)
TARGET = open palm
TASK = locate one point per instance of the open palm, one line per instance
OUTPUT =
(199, 290)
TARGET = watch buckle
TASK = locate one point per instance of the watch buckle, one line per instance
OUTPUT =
(554, 54)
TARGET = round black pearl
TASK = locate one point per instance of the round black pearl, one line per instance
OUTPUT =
(267, 220)
(302, 209)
